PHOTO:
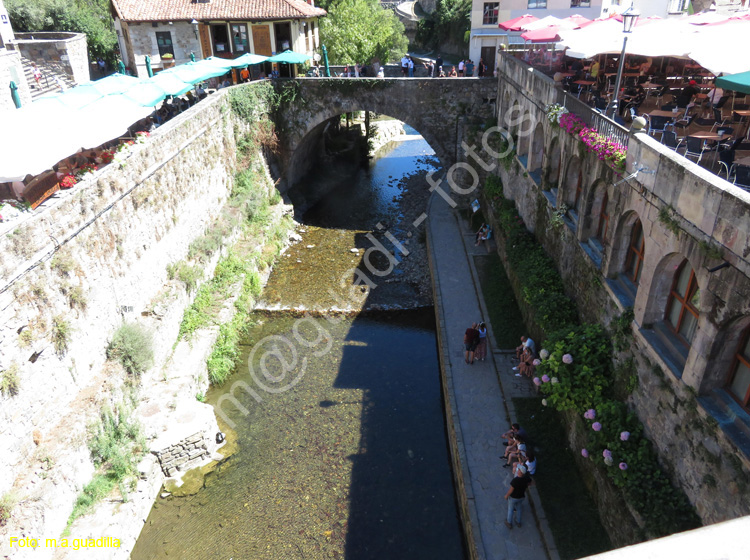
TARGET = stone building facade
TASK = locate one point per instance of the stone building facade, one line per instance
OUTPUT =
(226, 29)
(672, 243)
(67, 52)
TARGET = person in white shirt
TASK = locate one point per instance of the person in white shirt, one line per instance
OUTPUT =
(461, 69)
(404, 66)
(410, 67)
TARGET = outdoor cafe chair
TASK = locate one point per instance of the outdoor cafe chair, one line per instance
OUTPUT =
(658, 124)
(695, 148)
(742, 176)
(718, 118)
(669, 139)
(684, 125)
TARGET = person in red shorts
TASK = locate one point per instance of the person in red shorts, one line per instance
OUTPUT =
(471, 340)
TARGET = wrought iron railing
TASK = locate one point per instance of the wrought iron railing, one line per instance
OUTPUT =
(594, 119)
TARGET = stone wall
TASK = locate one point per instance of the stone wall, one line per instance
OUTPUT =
(436, 108)
(68, 51)
(143, 42)
(686, 213)
(11, 69)
(94, 258)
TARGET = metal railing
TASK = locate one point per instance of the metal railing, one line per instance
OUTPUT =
(594, 119)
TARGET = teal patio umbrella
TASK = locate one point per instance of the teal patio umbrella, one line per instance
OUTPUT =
(14, 94)
(325, 61)
(145, 92)
(736, 82)
(194, 72)
(171, 84)
(121, 67)
(290, 57)
(192, 57)
(148, 67)
(248, 59)
(116, 83)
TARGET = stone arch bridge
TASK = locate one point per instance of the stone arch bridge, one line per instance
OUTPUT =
(437, 108)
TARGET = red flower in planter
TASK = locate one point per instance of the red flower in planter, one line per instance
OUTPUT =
(67, 182)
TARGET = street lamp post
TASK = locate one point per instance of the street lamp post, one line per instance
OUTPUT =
(629, 17)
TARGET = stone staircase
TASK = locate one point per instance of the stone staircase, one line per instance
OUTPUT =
(48, 82)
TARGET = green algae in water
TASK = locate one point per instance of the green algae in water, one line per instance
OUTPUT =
(351, 462)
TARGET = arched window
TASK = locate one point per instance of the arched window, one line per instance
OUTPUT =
(682, 306)
(601, 230)
(739, 379)
(634, 260)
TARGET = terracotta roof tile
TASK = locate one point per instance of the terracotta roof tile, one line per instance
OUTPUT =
(187, 10)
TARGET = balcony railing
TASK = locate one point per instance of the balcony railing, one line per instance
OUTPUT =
(603, 124)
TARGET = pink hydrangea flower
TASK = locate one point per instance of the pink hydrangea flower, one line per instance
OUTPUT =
(606, 453)
(608, 461)
(624, 436)
(537, 381)
(597, 426)
(585, 452)
(537, 362)
(590, 414)
(545, 378)
(567, 359)
(623, 466)
(543, 354)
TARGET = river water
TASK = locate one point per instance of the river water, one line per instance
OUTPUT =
(341, 448)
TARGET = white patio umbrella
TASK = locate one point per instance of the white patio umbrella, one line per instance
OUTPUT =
(718, 49)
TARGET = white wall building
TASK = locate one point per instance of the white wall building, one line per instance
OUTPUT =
(168, 32)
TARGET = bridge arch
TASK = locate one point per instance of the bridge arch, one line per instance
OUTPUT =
(437, 108)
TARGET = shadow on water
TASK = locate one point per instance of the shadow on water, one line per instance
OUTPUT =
(402, 501)
(350, 463)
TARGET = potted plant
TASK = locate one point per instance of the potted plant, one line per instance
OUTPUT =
(167, 60)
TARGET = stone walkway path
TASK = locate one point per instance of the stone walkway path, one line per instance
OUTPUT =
(482, 398)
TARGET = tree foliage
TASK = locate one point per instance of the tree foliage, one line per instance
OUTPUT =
(451, 21)
(91, 17)
(360, 31)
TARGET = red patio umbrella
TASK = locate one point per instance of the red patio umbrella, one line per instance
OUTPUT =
(515, 24)
(549, 34)
(577, 20)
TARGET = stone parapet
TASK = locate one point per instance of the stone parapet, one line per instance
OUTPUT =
(66, 51)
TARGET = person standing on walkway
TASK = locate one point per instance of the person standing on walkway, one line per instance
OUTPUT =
(404, 66)
(461, 69)
(469, 67)
(411, 67)
(481, 353)
(471, 339)
(516, 494)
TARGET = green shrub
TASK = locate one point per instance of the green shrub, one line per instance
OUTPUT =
(116, 441)
(186, 273)
(61, 332)
(493, 186)
(542, 287)
(587, 381)
(9, 382)
(7, 503)
(132, 346)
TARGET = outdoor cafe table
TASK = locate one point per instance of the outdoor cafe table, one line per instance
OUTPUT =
(744, 113)
(585, 85)
(708, 135)
(743, 161)
(669, 114)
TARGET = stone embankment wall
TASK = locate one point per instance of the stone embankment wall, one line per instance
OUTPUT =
(182, 455)
(584, 214)
(70, 276)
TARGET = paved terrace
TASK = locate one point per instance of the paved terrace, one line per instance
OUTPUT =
(478, 402)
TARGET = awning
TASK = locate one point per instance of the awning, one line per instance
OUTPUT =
(171, 84)
(248, 59)
(194, 72)
(548, 34)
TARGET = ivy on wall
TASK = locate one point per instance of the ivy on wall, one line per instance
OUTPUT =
(575, 374)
